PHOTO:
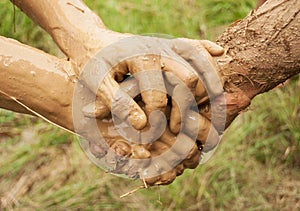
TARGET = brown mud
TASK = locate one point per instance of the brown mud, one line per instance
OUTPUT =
(262, 51)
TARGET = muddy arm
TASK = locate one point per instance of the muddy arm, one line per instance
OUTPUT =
(77, 30)
(24, 76)
(262, 51)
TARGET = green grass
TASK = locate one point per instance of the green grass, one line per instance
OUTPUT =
(256, 167)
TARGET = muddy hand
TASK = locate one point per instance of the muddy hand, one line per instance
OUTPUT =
(162, 161)
(230, 104)
(137, 55)
(198, 54)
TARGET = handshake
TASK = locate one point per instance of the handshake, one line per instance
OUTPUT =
(144, 106)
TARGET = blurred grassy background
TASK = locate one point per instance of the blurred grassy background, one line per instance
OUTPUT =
(256, 167)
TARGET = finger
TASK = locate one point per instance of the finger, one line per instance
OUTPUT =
(121, 148)
(138, 161)
(160, 150)
(225, 108)
(166, 161)
(96, 109)
(181, 158)
(110, 93)
(97, 149)
(121, 104)
(212, 48)
(202, 62)
(189, 159)
(168, 137)
(183, 146)
(181, 69)
(153, 173)
(193, 158)
(157, 125)
(130, 86)
(167, 177)
(182, 99)
(201, 94)
(147, 70)
(94, 72)
(207, 133)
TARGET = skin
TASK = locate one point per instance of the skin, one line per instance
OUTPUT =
(72, 20)
(42, 101)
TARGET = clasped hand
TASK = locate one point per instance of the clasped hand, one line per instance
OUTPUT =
(160, 71)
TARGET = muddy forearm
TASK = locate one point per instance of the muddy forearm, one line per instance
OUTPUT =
(74, 27)
(263, 50)
(40, 81)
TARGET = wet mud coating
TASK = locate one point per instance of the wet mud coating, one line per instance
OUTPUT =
(154, 157)
(175, 134)
(135, 149)
(163, 143)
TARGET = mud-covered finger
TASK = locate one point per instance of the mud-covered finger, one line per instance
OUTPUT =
(201, 94)
(96, 109)
(147, 70)
(121, 104)
(182, 99)
(193, 159)
(182, 70)
(206, 132)
(130, 86)
(153, 90)
(202, 62)
(213, 48)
